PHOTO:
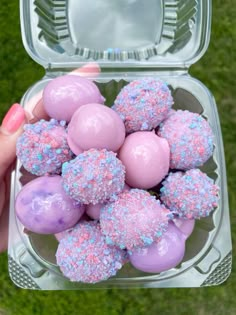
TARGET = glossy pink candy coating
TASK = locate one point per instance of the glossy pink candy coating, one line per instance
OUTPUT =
(146, 159)
(64, 95)
(43, 207)
(95, 126)
(163, 255)
(185, 226)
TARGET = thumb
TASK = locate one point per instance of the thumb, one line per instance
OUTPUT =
(10, 130)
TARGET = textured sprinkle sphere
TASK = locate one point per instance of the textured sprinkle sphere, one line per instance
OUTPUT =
(94, 176)
(190, 139)
(43, 207)
(135, 219)
(43, 147)
(84, 256)
(143, 104)
(190, 195)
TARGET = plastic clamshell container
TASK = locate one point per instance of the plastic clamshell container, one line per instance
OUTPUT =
(129, 39)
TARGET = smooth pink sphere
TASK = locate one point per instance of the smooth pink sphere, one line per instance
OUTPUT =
(64, 95)
(163, 255)
(95, 126)
(146, 158)
(185, 226)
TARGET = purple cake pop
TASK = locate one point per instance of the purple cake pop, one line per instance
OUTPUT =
(84, 256)
(43, 207)
(43, 147)
(185, 226)
(163, 254)
(94, 176)
(190, 139)
(143, 104)
(135, 219)
(190, 195)
(64, 95)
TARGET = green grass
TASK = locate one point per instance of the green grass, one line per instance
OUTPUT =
(217, 71)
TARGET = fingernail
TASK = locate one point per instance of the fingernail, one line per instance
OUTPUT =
(13, 119)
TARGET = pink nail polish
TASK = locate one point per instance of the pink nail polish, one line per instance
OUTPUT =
(13, 119)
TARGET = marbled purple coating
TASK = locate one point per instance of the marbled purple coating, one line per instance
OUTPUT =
(162, 255)
(190, 139)
(43, 147)
(135, 219)
(190, 195)
(43, 207)
(95, 126)
(143, 104)
(84, 256)
(65, 94)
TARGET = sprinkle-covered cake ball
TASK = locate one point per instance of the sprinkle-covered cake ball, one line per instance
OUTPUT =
(162, 255)
(143, 104)
(84, 256)
(64, 95)
(190, 139)
(190, 195)
(95, 126)
(43, 147)
(146, 158)
(135, 219)
(94, 176)
(43, 207)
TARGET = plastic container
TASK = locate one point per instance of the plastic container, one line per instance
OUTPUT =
(129, 39)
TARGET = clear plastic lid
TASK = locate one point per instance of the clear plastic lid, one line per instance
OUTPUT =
(118, 33)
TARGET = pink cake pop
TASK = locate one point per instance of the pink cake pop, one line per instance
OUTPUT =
(95, 126)
(43, 207)
(163, 254)
(190, 139)
(43, 147)
(94, 176)
(135, 219)
(84, 256)
(185, 226)
(64, 95)
(146, 159)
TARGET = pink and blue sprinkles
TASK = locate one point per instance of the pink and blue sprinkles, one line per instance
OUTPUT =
(136, 219)
(143, 104)
(43, 147)
(190, 139)
(94, 176)
(190, 195)
(84, 256)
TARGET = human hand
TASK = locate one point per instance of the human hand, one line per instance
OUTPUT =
(10, 130)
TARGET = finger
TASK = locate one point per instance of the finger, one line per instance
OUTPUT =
(11, 128)
(4, 218)
(35, 105)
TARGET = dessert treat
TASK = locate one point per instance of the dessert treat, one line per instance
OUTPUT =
(94, 176)
(163, 254)
(190, 195)
(185, 226)
(190, 139)
(135, 219)
(43, 207)
(95, 126)
(43, 147)
(84, 256)
(143, 104)
(146, 159)
(93, 211)
(64, 95)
